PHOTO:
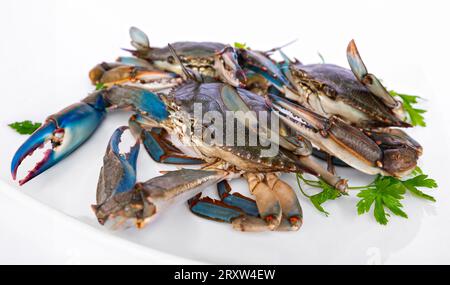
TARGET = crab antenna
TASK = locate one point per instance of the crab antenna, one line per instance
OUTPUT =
(188, 74)
(285, 57)
(281, 47)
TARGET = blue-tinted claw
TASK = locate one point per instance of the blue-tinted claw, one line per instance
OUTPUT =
(369, 80)
(139, 39)
(127, 160)
(64, 131)
(118, 174)
(117, 178)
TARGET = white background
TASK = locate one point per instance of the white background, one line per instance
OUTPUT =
(47, 48)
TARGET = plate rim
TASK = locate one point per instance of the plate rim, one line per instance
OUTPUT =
(140, 250)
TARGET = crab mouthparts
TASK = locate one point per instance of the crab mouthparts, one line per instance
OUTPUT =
(236, 77)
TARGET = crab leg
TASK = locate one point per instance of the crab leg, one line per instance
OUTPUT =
(369, 80)
(238, 200)
(325, 156)
(149, 198)
(272, 195)
(110, 74)
(176, 186)
(292, 217)
(215, 210)
(96, 73)
(163, 151)
(269, 207)
(243, 213)
(333, 180)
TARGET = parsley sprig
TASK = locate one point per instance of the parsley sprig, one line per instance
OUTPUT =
(328, 192)
(415, 115)
(100, 86)
(25, 127)
(384, 194)
(240, 45)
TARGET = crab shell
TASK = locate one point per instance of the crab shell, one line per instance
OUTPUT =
(210, 59)
(221, 98)
(332, 90)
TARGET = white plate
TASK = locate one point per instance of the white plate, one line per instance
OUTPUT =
(45, 61)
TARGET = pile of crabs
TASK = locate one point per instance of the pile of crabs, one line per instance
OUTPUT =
(344, 116)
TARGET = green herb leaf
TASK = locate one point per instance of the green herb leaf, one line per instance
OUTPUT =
(415, 115)
(328, 192)
(385, 193)
(420, 181)
(100, 86)
(240, 45)
(25, 127)
(417, 171)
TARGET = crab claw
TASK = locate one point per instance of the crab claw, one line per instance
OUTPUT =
(229, 69)
(145, 200)
(117, 176)
(389, 152)
(65, 131)
(331, 135)
(139, 39)
(369, 80)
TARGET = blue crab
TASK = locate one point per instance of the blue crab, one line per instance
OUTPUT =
(163, 98)
(330, 98)
(214, 61)
(355, 95)
(390, 152)
(121, 199)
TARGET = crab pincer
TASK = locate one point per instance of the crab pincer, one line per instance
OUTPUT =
(117, 177)
(64, 132)
(369, 80)
(68, 129)
(391, 154)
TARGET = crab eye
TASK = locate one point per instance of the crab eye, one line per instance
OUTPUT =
(170, 59)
